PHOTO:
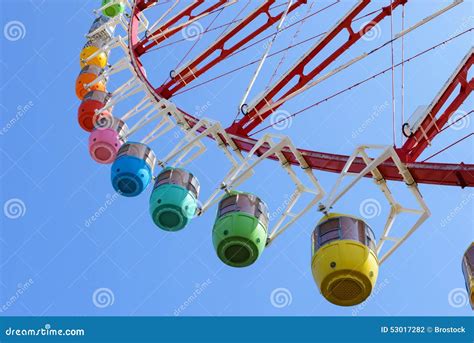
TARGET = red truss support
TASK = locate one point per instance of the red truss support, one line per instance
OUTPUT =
(253, 118)
(166, 30)
(195, 68)
(432, 123)
(144, 4)
(448, 174)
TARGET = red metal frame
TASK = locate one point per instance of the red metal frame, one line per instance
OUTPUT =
(194, 69)
(431, 125)
(428, 173)
(151, 41)
(254, 117)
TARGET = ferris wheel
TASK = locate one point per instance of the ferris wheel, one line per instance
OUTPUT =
(346, 253)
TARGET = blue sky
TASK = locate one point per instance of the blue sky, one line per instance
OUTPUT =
(59, 263)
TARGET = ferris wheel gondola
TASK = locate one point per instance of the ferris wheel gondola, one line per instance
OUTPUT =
(132, 170)
(88, 112)
(346, 254)
(106, 139)
(344, 259)
(174, 199)
(468, 271)
(112, 8)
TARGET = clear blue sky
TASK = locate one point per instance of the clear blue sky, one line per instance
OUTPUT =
(44, 162)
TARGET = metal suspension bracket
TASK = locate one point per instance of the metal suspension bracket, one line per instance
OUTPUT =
(121, 65)
(388, 152)
(191, 146)
(131, 87)
(278, 147)
(117, 41)
(123, 17)
(110, 24)
(158, 112)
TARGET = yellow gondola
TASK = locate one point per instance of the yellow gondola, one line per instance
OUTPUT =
(468, 271)
(100, 57)
(344, 260)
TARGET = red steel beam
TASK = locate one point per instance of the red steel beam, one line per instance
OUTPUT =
(156, 37)
(448, 174)
(196, 67)
(432, 124)
(253, 117)
(142, 5)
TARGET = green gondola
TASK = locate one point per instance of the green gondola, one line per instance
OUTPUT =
(240, 230)
(114, 9)
(173, 201)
